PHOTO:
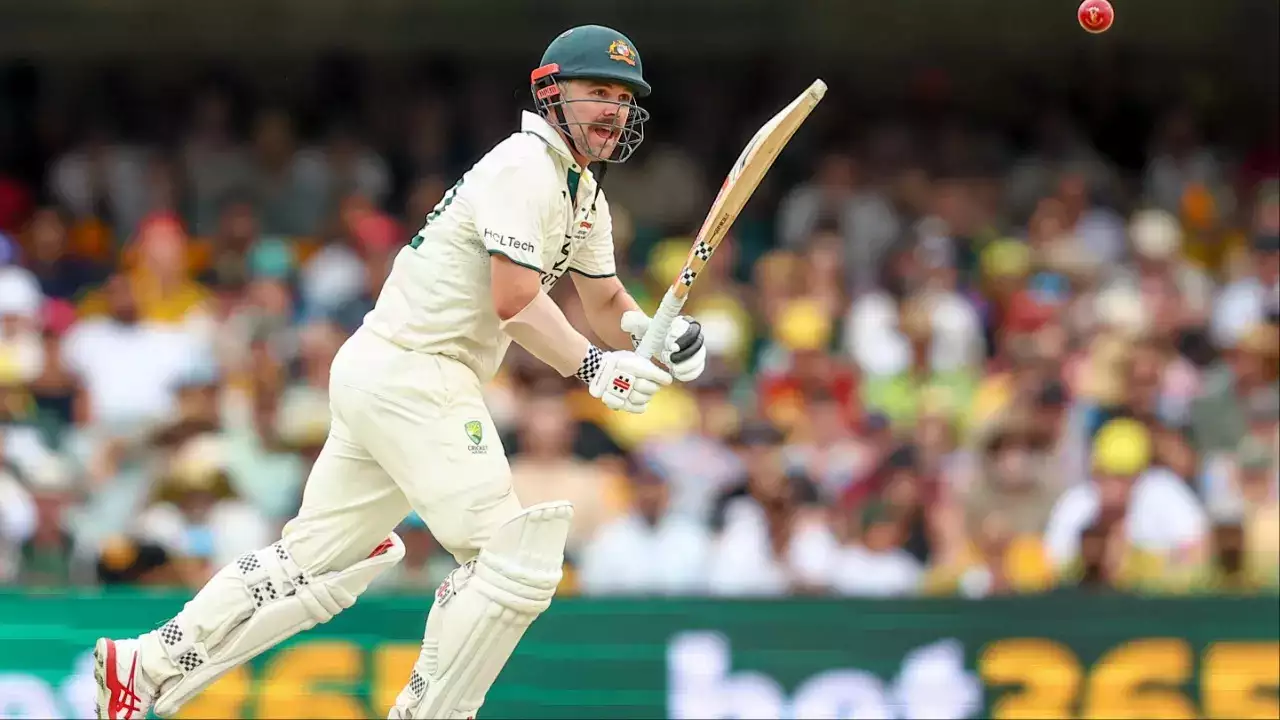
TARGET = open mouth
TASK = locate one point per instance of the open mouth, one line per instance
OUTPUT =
(605, 134)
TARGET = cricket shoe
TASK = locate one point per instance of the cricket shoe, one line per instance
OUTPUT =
(123, 692)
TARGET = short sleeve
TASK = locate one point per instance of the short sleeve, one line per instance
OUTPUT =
(594, 258)
(1171, 517)
(1075, 510)
(509, 212)
(17, 512)
(606, 549)
(75, 346)
(1236, 309)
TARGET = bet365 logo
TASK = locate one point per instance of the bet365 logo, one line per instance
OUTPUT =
(931, 683)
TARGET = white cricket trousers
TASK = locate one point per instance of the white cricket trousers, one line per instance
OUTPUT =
(409, 431)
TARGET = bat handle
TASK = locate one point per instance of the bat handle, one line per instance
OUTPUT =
(654, 338)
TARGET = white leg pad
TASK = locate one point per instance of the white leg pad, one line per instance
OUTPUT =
(274, 598)
(482, 610)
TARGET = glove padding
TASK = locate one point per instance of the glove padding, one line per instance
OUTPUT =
(683, 350)
(626, 381)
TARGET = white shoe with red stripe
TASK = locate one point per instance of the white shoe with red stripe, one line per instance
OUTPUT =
(123, 691)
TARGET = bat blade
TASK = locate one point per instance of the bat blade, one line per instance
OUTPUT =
(738, 186)
(743, 179)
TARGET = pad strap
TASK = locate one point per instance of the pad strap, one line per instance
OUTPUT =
(268, 574)
(271, 598)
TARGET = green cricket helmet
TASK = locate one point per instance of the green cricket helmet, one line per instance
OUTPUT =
(593, 52)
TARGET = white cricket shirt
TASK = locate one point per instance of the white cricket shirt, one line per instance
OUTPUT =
(526, 199)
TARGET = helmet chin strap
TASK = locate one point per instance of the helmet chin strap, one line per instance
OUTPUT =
(581, 157)
(564, 127)
(601, 167)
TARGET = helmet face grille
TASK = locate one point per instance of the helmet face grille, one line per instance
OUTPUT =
(627, 123)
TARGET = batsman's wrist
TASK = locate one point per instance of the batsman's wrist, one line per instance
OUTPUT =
(591, 364)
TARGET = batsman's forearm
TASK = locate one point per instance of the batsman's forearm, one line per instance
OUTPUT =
(606, 320)
(543, 330)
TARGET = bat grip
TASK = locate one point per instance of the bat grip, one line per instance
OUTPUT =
(654, 338)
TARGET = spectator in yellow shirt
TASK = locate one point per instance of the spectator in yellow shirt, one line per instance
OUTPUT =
(157, 271)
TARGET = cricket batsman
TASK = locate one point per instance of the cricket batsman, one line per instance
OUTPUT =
(410, 431)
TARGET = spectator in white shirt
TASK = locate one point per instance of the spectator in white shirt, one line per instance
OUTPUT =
(874, 563)
(17, 521)
(333, 277)
(197, 514)
(1252, 299)
(698, 465)
(774, 541)
(1093, 226)
(1158, 513)
(128, 369)
(649, 550)
(957, 328)
(1175, 291)
(879, 347)
(21, 346)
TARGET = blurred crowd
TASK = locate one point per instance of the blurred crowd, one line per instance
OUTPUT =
(949, 358)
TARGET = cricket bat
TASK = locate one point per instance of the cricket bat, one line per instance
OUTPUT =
(743, 179)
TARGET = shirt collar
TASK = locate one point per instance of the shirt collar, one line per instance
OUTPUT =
(537, 125)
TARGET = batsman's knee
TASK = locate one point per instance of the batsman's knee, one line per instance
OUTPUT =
(463, 530)
(482, 610)
(313, 547)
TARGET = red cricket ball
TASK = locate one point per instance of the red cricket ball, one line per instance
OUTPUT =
(1096, 16)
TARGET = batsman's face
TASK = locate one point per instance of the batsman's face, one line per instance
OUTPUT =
(596, 112)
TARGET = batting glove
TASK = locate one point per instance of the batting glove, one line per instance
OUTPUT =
(684, 350)
(621, 379)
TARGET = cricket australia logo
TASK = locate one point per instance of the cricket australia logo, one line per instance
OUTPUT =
(475, 433)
